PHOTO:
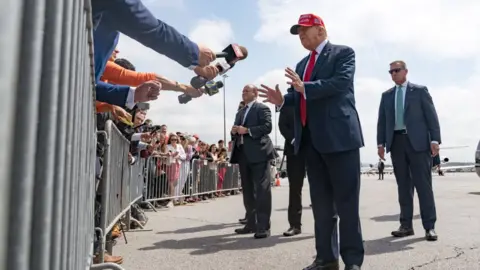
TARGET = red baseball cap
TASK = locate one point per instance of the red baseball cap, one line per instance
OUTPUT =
(306, 20)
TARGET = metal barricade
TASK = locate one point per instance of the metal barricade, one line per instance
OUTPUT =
(228, 175)
(167, 179)
(171, 183)
(121, 184)
(47, 143)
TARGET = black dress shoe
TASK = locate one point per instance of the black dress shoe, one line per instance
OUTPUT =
(262, 234)
(352, 267)
(403, 232)
(243, 221)
(244, 230)
(292, 231)
(321, 265)
(431, 235)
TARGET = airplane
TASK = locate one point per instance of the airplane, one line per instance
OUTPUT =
(437, 163)
(477, 159)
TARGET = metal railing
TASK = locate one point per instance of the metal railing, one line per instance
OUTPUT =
(47, 143)
(172, 180)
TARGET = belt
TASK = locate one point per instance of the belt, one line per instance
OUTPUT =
(400, 132)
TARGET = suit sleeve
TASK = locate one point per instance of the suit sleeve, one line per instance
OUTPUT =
(265, 123)
(235, 123)
(431, 116)
(285, 124)
(133, 19)
(113, 94)
(339, 83)
(381, 123)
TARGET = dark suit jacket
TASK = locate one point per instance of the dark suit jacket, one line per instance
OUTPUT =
(286, 124)
(258, 147)
(331, 113)
(420, 116)
(132, 18)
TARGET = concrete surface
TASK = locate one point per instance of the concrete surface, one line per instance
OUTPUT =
(200, 236)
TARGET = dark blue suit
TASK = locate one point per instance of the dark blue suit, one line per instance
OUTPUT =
(133, 19)
(410, 152)
(331, 140)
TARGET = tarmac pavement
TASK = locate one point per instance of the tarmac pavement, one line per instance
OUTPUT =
(200, 236)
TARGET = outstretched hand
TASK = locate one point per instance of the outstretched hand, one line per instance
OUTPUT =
(271, 95)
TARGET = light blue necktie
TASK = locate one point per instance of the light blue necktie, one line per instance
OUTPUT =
(399, 109)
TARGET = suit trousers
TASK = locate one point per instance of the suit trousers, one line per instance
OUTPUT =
(334, 180)
(413, 170)
(257, 192)
(296, 174)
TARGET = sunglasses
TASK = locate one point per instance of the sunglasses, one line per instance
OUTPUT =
(395, 70)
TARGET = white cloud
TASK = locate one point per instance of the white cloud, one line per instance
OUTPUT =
(382, 31)
(432, 27)
(200, 115)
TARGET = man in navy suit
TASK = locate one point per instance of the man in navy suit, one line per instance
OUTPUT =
(328, 129)
(408, 127)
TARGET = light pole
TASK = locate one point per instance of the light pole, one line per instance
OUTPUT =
(224, 110)
(276, 124)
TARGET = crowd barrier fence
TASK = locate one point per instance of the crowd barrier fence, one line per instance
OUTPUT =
(170, 180)
(48, 154)
(47, 140)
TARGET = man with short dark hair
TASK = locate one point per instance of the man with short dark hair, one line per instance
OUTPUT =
(408, 127)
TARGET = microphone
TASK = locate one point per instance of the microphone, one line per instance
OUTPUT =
(198, 82)
(232, 53)
(211, 88)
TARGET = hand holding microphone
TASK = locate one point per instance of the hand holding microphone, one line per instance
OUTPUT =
(208, 72)
(232, 53)
(205, 56)
(211, 88)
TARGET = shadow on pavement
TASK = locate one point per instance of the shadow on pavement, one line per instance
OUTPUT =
(286, 209)
(216, 243)
(387, 218)
(474, 193)
(204, 228)
(389, 245)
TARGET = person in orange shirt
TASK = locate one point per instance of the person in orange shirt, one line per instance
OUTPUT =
(126, 75)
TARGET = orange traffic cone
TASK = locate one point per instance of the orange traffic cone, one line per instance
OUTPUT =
(277, 181)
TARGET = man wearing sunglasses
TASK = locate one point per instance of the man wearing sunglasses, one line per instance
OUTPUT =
(408, 127)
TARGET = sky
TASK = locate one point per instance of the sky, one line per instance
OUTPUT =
(438, 39)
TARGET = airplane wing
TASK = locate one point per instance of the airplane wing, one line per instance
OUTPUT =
(448, 168)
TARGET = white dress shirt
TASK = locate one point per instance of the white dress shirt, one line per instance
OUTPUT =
(248, 106)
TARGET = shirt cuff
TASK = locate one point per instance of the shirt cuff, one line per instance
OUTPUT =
(142, 145)
(380, 145)
(130, 103)
(293, 141)
(434, 142)
(192, 67)
(136, 137)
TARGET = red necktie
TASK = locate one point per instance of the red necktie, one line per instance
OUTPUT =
(308, 74)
